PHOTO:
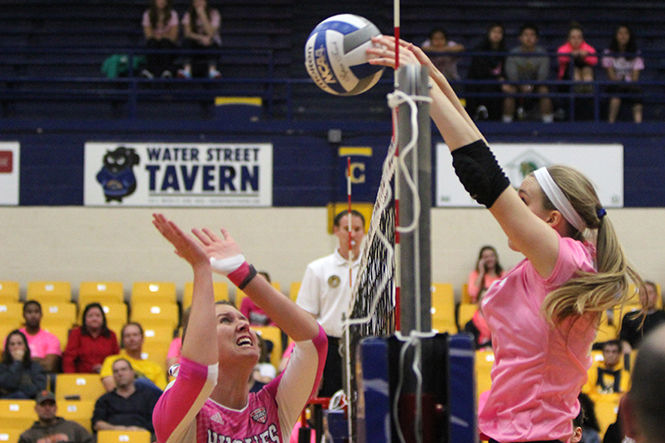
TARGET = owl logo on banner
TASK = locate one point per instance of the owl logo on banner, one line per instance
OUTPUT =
(117, 174)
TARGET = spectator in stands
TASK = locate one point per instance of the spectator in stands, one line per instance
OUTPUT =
(51, 428)
(264, 371)
(149, 373)
(200, 26)
(173, 355)
(488, 270)
(325, 292)
(487, 66)
(439, 45)
(44, 346)
(635, 326)
(577, 59)
(607, 376)
(160, 28)
(623, 64)
(20, 377)
(128, 407)
(615, 432)
(527, 62)
(256, 315)
(89, 344)
(644, 406)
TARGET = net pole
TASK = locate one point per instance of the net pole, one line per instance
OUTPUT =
(348, 218)
(414, 265)
(396, 27)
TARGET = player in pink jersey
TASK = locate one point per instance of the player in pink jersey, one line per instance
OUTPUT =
(544, 312)
(209, 401)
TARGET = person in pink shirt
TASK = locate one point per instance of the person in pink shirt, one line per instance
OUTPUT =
(488, 270)
(209, 399)
(576, 55)
(200, 27)
(160, 28)
(544, 312)
(44, 346)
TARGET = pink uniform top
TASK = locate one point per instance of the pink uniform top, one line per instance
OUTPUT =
(174, 348)
(184, 413)
(539, 369)
(42, 343)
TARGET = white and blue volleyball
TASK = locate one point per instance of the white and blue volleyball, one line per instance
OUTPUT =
(335, 55)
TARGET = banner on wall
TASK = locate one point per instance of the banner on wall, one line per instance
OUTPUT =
(9, 173)
(178, 174)
(601, 163)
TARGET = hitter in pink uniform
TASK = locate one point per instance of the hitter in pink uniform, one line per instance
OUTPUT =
(209, 401)
(543, 313)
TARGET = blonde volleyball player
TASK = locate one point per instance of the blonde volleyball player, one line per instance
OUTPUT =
(209, 399)
(543, 313)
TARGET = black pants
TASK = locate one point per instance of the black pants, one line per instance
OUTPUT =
(332, 372)
(158, 63)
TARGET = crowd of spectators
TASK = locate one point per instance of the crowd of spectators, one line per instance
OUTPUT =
(520, 82)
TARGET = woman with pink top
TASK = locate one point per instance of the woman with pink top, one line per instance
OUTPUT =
(209, 399)
(488, 270)
(544, 312)
(200, 27)
(578, 56)
(160, 27)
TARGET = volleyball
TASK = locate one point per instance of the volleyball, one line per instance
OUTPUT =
(335, 55)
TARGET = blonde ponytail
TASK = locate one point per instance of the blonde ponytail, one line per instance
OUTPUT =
(590, 292)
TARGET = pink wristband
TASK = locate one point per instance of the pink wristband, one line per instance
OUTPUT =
(242, 275)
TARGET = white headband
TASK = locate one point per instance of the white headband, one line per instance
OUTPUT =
(558, 199)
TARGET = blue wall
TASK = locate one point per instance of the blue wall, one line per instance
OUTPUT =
(305, 163)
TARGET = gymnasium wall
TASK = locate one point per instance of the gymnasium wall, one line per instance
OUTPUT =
(77, 244)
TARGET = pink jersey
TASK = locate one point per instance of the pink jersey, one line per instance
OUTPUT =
(184, 413)
(539, 369)
(42, 343)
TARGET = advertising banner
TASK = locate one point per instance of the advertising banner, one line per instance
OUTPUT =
(601, 163)
(178, 174)
(9, 173)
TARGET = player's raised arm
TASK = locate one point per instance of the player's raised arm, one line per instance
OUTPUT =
(200, 342)
(226, 258)
(474, 163)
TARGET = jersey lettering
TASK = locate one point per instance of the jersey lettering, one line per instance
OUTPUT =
(270, 435)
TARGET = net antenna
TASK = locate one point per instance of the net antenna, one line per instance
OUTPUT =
(395, 255)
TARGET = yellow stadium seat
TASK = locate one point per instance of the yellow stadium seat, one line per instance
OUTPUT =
(9, 291)
(79, 411)
(165, 314)
(606, 407)
(78, 387)
(58, 313)
(49, 291)
(17, 413)
(241, 295)
(466, 298)
(443, 307)
(157, 334)
(100, 292)
(465, 313)
(11, 435)
(60, 331)
(606, 332)
(483, 365)
(274, 334)
(123, 437)
(153, 292)
(293, 290)
(11, 313)
(155, 352)
(221, 290)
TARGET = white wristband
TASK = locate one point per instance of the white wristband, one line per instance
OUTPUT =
(227, 265)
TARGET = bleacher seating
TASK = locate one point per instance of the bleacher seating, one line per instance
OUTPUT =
(268, 41)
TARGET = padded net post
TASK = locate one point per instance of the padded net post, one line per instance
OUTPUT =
(415, 185)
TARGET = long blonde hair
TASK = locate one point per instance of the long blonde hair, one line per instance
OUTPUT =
(589, 292)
